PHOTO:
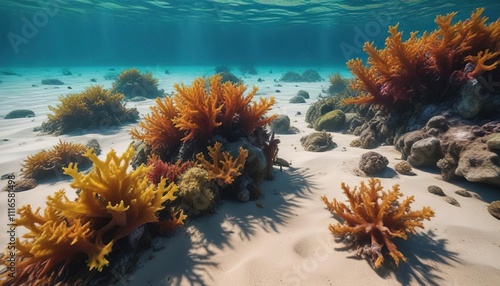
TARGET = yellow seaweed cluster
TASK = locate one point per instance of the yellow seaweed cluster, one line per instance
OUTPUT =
(132, 83)
(374, 217)
(111, 204)
(95, 107)
(423, 67)
(48, 163)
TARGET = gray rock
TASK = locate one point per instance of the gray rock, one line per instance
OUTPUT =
(463, 193)
(425, 152)
(297, 99)
(303, 93)
(436, 190)
(372, 163)
(20, 113)
(280, 125)
(452, 201)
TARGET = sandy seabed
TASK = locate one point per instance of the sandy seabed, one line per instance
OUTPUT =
(283, 237)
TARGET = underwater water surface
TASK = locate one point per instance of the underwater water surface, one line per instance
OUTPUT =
(208, 32)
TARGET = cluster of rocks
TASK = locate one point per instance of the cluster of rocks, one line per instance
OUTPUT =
(457, 146)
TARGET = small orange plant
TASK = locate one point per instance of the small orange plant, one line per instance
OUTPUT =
(374, 217)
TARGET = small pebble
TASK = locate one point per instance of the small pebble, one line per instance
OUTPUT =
(452, 201)
(463, 193)
(278, 91)
(6, 176)
(436, 190)
(298, 113)
(69, 87)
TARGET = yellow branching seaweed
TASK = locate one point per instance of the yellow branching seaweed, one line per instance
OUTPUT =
(125, 200)
(374, 217)
(111, 204)
(224, 168)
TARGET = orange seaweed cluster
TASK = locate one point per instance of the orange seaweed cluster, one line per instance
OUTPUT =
(224, 168)
(374, 217)
(422, 68)
(197, 111)
(111, 205)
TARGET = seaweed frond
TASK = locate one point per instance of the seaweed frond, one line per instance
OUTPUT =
(158, 130)
(49, 163)
(374, 217)
(198, 111)
(224, 168)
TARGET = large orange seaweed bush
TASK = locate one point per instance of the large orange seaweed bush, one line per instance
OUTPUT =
(198, 112)
(428, 66)
(374, 217)
(111, 204)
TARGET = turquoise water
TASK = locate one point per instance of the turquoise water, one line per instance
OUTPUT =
(211, 32)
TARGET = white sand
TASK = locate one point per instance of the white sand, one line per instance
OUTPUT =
(287, 242)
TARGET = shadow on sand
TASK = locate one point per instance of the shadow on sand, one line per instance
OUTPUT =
(424, 253)
(188, 256)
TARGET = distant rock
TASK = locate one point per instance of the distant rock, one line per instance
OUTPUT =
(52, 81)
(297, 99)
(20, 113)
(318, 142)
(137, 99)
(303, 93)
(66, 72)
(280, 125)
(372, 163)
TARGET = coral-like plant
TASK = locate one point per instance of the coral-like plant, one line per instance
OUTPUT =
(171, 172)
(198, 113)
(132, 83)
(196, 189)
(95, 107)
(158, 130)
(111, 204)
(427, 67)
(374, 217)
(48, 163)
(122, 201)
(224, 167)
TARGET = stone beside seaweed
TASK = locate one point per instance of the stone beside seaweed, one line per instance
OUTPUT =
(52, 81)
(20, 113)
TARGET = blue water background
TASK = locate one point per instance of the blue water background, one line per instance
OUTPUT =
(184, 32)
